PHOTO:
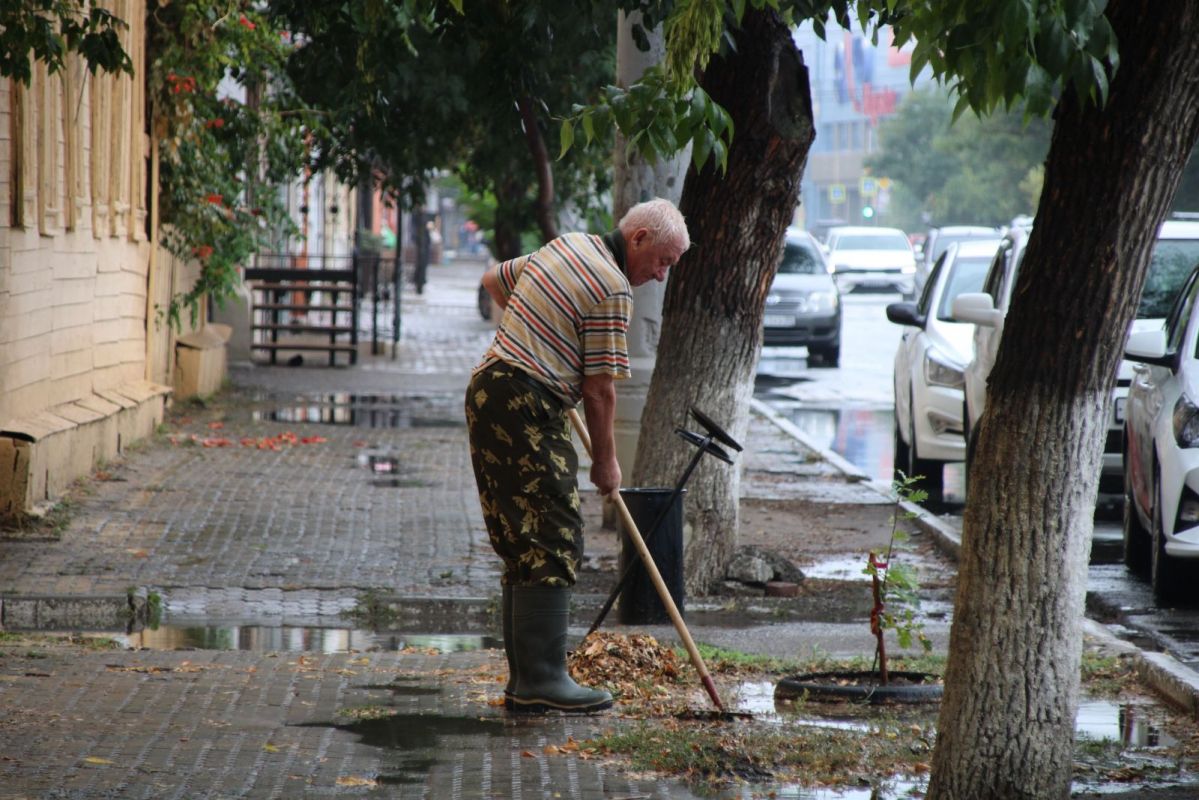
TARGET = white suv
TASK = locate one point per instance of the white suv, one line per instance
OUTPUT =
(1161, 511)
(929, 362)
(871, 258)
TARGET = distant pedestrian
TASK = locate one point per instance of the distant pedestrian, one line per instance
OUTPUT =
(566, 311)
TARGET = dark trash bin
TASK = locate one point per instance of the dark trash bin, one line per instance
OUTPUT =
(639, 601)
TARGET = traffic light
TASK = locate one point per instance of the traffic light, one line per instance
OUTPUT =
(867, 212)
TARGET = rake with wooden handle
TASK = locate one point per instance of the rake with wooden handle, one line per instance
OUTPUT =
(651, 568)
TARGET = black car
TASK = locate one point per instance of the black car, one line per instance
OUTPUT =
(804, 305)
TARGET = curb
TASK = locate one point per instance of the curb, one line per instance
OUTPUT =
(481, 614)
(76, 612)
(476, 615)
(1161, 672)
(850, 470)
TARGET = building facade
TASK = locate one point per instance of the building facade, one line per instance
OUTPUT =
(84, 366)
(855, 85)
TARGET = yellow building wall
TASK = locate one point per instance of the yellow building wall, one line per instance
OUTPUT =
(74, 269)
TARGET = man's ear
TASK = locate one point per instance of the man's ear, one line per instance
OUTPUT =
(639, 236)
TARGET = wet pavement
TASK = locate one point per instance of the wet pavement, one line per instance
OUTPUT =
(250, 536)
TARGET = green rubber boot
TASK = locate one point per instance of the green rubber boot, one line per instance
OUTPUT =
(506, 615)
(539, 619)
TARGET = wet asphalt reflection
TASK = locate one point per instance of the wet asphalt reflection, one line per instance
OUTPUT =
(361, 410)
(298, 639)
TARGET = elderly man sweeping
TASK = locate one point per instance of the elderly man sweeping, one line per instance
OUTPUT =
(566, 310)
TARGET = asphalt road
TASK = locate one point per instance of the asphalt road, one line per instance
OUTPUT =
(851, 410)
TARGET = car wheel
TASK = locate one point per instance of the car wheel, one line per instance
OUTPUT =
(933, 471)
(1136, 539)
(1165, 572)
(829, 355)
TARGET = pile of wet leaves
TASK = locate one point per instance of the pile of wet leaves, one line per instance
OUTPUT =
(641, 673)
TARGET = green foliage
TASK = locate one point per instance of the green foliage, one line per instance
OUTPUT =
(991, 54)
(49, 30)
(994, 53)
(655, 121)
(444, 98)
(898, 598)
(221, 154)
(969, 171)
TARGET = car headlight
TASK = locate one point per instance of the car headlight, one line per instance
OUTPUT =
(939, 372)
(773, 299)
(1186, 422)
(818, 301)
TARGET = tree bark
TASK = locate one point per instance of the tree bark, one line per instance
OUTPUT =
(1011, 686)
(509, 195)
(712, 312)
(541, 164)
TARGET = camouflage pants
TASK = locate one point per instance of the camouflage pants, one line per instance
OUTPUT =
(527, 471)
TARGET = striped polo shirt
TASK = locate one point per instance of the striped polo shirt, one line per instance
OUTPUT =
(568, 311)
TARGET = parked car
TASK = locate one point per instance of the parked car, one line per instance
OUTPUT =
(803, 306)
(929, 363)
(986, 310)
(1161, 459)
(872, 258)
(938, 240)
(1176, 252)
(1174, 256)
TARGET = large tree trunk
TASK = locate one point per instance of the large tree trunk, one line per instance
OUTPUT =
(712, 313)
(1011, 687)
(546, 217)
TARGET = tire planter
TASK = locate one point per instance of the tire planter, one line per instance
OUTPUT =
(861, 687)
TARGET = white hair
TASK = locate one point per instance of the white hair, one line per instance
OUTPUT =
(660, 218)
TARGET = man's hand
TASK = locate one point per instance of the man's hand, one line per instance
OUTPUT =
(606, 476)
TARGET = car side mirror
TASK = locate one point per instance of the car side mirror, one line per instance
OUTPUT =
(905, 314)
(977, 308)
(1148, 347)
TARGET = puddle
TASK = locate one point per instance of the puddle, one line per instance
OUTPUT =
(893, 790)
(849, 568)
(414, 741)
(1130, 725)
(269, 639)
(363, 411)
(865, 436)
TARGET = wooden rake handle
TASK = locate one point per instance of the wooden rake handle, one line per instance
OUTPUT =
(630, 527)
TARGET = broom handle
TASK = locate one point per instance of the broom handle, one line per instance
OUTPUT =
(630, 527)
